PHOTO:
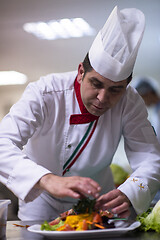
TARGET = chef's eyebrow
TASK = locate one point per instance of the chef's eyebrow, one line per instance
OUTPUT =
(95, 79)
(98, 81)
(119, 86)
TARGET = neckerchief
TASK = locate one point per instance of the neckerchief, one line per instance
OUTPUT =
(85, 116)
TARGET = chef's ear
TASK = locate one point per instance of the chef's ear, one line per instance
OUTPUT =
(80, 73)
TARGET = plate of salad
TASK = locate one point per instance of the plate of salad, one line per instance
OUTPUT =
(82, 221)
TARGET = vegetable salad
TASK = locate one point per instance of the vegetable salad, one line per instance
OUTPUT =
(81, 217)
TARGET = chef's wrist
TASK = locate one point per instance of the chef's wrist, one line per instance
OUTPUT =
(42, 183)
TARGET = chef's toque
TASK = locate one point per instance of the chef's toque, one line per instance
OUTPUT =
(114, 50)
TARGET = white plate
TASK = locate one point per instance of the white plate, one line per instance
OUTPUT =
(88, 234)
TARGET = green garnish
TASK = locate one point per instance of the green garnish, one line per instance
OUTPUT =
(84, 205)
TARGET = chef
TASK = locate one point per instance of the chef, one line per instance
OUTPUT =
(57, 142)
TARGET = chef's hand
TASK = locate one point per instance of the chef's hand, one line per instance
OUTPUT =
(74, 186)
(116, 201)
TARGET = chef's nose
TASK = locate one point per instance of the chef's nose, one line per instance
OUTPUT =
(103, 95)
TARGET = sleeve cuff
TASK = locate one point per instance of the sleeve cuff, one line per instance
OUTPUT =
(23, 178)
(138, 193)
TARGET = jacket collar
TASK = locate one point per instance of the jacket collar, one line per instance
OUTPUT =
(85, 116)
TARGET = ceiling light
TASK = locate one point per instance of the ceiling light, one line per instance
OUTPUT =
(12, 78)
(63, 28)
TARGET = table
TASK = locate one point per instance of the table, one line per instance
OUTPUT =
(21, 233)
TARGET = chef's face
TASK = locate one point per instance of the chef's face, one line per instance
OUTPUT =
(98, 93)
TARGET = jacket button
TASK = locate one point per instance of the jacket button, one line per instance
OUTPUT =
(69, 146)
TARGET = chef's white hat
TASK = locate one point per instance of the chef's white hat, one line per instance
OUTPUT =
(114, 50)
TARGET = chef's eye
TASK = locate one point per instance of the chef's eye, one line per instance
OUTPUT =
(115, 90)
(96, 84)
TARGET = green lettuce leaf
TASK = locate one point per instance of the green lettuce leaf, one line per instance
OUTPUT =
(47, 227)
(150, 220)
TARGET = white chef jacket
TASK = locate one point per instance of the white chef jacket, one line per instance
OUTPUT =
(36, 138)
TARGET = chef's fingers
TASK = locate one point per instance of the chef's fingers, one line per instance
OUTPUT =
(117, 204)
(70, 193)
(105, 198)
(79, 191)
(125, 214)
(120, 208)
(74, 186)
(112, 195)
(85, 186)
(115, 200)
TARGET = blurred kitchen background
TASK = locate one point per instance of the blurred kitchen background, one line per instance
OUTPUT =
(23, 52)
